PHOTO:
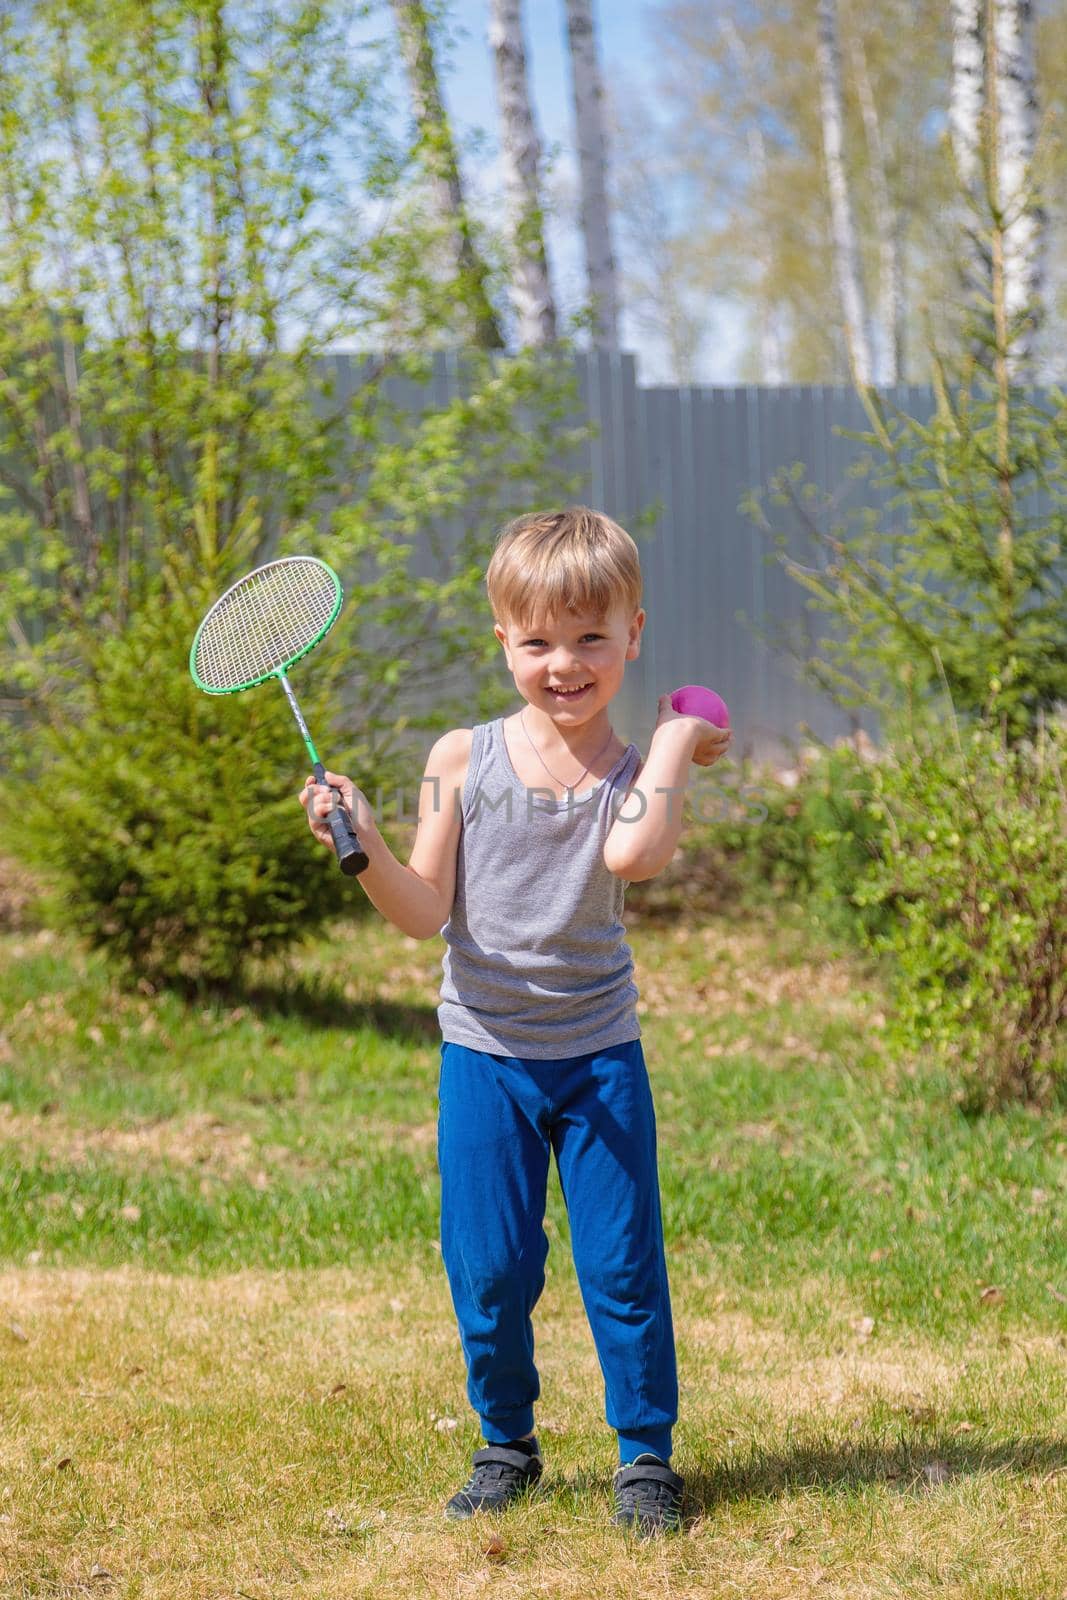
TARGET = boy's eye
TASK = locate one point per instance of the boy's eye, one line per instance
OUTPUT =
(585, 636)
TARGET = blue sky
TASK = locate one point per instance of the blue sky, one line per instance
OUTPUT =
(627, 32)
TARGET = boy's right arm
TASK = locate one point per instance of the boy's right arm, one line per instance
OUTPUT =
(417, 898)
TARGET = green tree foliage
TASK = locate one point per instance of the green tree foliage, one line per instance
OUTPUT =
(968, 604)
(744, 128)
(974, 588)
(978, 574)
(975, 861)
(746, 125)
(182, 247)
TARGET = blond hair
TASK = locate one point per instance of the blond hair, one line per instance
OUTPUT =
(575, 560)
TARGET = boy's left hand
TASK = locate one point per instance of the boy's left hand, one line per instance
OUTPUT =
(712, 742)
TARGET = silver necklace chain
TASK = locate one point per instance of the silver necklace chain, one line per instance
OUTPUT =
(552, 775)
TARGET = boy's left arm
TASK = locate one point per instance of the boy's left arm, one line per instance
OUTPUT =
(644, 835)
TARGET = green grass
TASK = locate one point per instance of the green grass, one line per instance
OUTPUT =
(229, 1366)
(296, 1128)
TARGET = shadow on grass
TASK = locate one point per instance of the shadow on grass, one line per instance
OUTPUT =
(921, 1464)
(830, 1467)
(320, 1005)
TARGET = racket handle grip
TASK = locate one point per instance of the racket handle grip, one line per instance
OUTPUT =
(351, 856)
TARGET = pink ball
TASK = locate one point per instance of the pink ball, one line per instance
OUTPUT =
(693, 700)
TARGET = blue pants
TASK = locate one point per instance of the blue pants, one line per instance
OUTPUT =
(499, 1119)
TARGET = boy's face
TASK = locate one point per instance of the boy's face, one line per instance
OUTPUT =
(569, 652)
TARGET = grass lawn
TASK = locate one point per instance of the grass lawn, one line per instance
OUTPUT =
(229, 1365)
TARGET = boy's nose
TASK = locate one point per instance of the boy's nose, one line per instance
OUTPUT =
(564, 666)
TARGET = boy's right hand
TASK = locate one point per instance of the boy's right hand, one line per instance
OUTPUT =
(318, 802)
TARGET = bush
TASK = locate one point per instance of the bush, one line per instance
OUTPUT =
(165, 820)
(811, 846)
(975, 865)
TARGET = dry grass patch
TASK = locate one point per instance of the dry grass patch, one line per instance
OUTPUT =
(199, 1141)
(296, 1434)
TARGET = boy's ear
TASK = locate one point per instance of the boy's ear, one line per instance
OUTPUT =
(633, 645)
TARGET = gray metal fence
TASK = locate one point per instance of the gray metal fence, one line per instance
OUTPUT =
(673, 466)
(693, 454)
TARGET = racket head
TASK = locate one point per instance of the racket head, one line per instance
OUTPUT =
(263, 623)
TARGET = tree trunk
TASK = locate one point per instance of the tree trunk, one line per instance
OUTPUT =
(439, 155)
(966, 103)
(592, 163)
(842, 228)
(993, 75)
(887, 226)
(1012, 68)
(520, 149)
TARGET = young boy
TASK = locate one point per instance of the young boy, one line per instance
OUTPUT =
(529, 827)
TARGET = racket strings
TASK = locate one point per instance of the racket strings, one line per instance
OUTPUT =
(265, 621)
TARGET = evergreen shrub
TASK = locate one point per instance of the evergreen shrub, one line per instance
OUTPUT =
(166, 821)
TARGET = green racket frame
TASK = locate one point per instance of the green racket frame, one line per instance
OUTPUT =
(351, 857)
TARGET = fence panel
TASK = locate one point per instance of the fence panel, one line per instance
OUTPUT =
(672, 465)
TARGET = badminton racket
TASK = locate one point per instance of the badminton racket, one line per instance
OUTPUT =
(255, 631)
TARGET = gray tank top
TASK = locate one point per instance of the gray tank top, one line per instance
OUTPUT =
(536, 963)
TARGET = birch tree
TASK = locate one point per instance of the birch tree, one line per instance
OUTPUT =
(994, 123)
(438, 152)
(887, 218)
(169, 212)
(736, 89)
(1010, 75)
(588, 94)
(965, 104)
(847, 267)
(521, 154)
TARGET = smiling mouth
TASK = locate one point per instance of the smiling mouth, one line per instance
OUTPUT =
(569, 694)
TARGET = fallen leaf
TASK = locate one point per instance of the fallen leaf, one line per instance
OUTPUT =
(17, 1331)
(495, 1549)
(64, 1461)
(99, 1574)
(992, 1295)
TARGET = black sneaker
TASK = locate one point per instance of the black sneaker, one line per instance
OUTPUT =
(501, 1473)
(648, 1497)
